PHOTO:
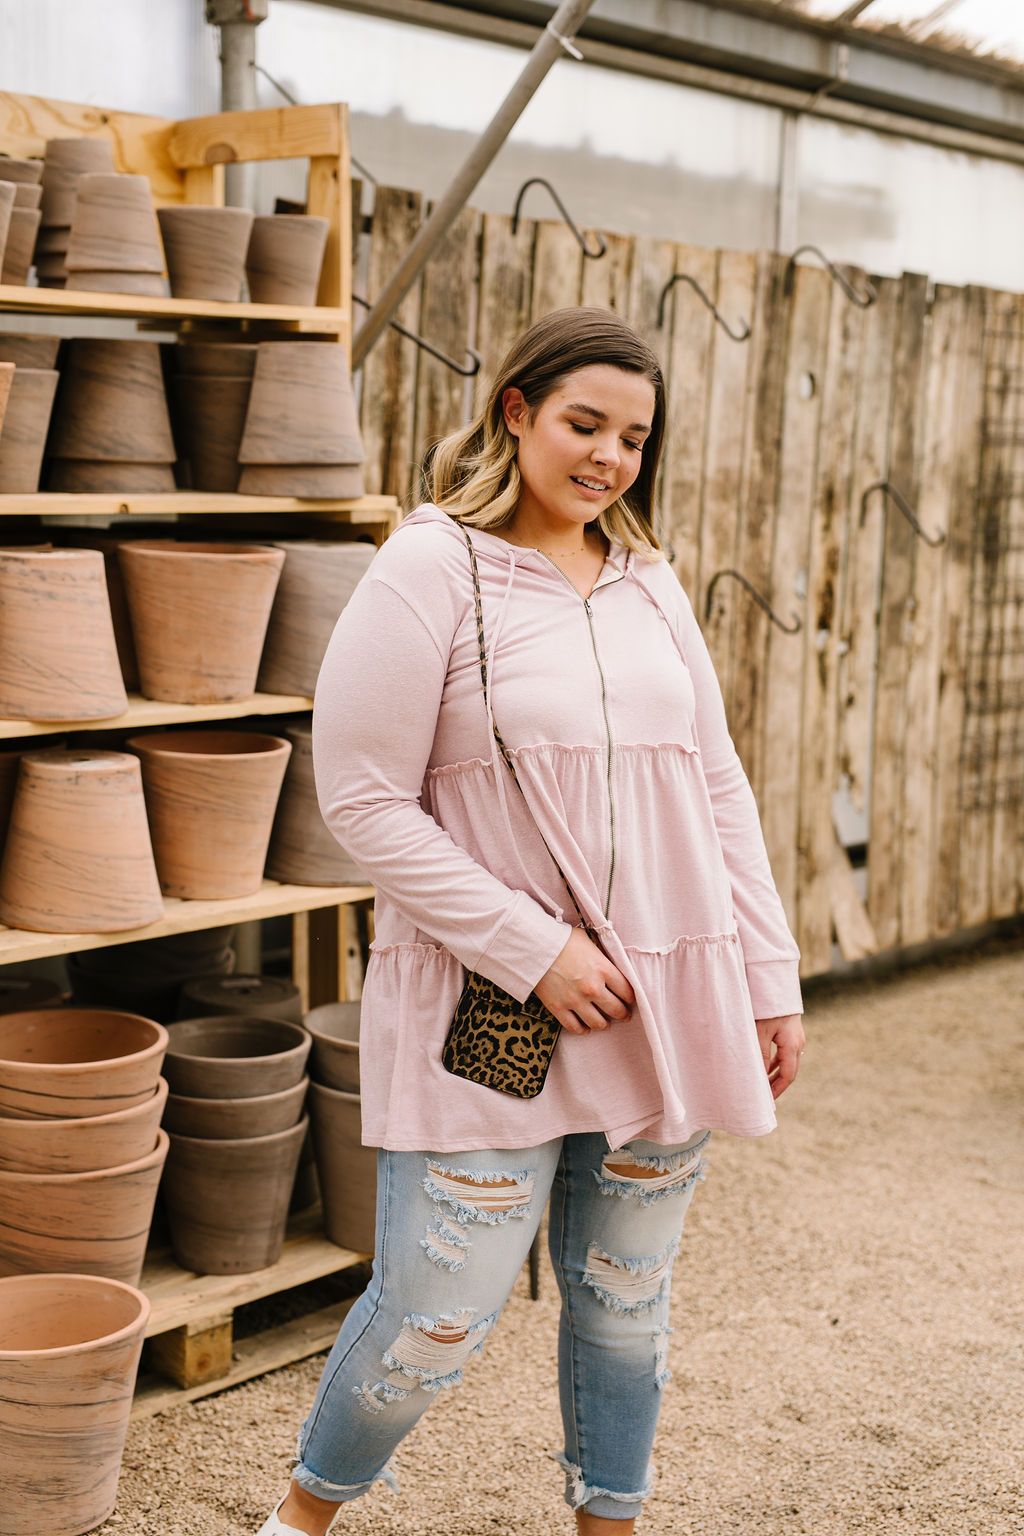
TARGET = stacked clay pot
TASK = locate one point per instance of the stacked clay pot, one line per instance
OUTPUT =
(81, 1149)
(199, 615)
(64, 161)
(211, 797)
(6, 208)
(6, 381)
(303, 850)
(234, 1117)
(69, 1355)
(317, 580)
(114, 246)
(205, 249)
(285, 257)
(210, 397)
(112, 428)
(301, 433)
(347, 1170)
(30, 393)
(21, 194)
(58, 654)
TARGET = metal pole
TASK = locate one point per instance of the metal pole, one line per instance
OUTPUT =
(237, 20)
(558, 34)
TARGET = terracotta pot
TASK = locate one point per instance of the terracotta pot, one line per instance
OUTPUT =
(65, 160)
(113, 227)
(66, 1063)
(146, 977)
(30, 351)
(262, 997)
(205, 250)
(52, 239)
(21, 239)
(25, 427)
(26, 173)
(347, 1170)
(78, 857)
(27, 196)
(303, 850)
(6, 382)
(211, 797)
(58, 657)
(232, 1119)
(302, 409)
(225, 359)
(317, 581)
(9, 763)
(108, 545)
(334, 482)
(6, 209)
(83, 1145)
(112, 404)
(334, 1062)
(286, 253)
(199, 616)
(151, 284)
(88, 475)
(234, 1057)
(69, 1356)
(209, 418)
(19, 993)
(227, 1201)
(80, 1223)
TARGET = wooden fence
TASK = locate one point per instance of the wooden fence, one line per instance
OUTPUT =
(884, 737)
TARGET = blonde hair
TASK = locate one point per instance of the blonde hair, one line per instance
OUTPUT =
(474, 473)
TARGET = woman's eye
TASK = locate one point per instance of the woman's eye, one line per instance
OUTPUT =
(587, 431)
(629, 444)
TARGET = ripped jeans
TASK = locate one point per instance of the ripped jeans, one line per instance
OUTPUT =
(453, 1230)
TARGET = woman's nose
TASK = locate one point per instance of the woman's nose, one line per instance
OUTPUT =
(605, 452)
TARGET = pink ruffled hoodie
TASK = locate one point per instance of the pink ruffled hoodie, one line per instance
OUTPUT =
(614, 716)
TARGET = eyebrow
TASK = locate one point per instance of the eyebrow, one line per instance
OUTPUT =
(591, 410)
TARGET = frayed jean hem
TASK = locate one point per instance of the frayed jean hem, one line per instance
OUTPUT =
(602, 1502)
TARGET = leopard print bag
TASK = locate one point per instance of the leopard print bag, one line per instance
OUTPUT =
(494, 1039)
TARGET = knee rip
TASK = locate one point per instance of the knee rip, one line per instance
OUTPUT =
(629, 1286)
(487, 1197)
(429, 1353)
(629, 1175)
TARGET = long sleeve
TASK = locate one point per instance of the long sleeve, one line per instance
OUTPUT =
(374, 720)
(770, 952)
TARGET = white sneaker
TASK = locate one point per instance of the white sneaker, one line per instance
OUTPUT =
(275, 1526)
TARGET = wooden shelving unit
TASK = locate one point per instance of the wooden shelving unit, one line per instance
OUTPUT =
(191, 1320)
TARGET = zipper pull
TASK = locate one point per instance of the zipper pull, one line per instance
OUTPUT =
(586, 604)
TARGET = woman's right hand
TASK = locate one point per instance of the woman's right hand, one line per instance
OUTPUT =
(583, 989)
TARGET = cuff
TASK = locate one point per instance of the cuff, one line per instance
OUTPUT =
(774, 987)
(524, 948)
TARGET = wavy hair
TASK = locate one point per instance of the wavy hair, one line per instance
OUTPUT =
(474, 474)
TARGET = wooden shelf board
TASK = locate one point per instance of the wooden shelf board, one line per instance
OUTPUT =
(146, 712)
(130, 306)
(361, 509)
(271, 900)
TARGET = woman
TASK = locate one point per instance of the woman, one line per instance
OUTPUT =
(679, 1016)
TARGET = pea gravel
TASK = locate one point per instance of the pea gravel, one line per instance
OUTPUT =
(847, 1305)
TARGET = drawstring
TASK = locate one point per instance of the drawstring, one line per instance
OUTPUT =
(671, 627)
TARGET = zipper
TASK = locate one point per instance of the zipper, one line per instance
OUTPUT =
(604, 710)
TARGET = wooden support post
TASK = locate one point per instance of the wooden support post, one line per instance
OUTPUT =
(195, 1353)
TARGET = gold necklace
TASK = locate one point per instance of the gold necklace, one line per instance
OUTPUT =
(568, 555)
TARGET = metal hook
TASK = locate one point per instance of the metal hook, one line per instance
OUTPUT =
(539, 181)
(888, 489)
(293, 102)
(789, 629)
(421, 341)
(684, 277)
(862, 300)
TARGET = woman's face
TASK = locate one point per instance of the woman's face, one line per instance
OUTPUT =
(581, 448)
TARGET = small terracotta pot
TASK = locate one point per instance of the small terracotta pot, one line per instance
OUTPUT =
(21, 239)
(209, 418)
(199, 616)
(111, 404)
(225, 359)
(227, 1201)
(78, 857)
(20, 993)
(231, 1119)
(26, 173)
(211, 797)
(286, 253)
(334, 1062)
(58, 656)
(25, 427)
(6, 383)
(69, 1357)
(151, 284)
(84, 1145)
(81, 1223)
(30, 351)
(205, 250)
(67, 1063)
(113, 227)
(259, 997)
(27, 196)
(317, 581)
(302, 409)
(347, 1170)
(90, 475)
(234, 1057)
(7, 190)
(303, 850)
(65, 160)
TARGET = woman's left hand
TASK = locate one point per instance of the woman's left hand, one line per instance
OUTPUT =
(787, 1036)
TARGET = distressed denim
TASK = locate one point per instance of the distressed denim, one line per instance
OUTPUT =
(453, 1230)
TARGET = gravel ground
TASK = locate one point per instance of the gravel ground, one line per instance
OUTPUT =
(848, 1344)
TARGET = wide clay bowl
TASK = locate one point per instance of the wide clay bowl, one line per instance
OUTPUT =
(230, 1119)
(64, 1063)
(335, 1057)
(84, 1145)
(235, 1057)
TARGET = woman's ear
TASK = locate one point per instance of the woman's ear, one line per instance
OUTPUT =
(514, 409)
